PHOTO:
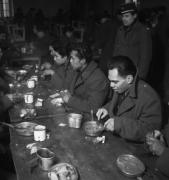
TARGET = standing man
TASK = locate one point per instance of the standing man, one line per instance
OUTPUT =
(135, 108)
(133, 40)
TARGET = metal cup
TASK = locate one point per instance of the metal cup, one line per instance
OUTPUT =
(46, 158)
(35, 78)
(28, 98)
(31, 83)
(74, 120)
(23, 50)
(39, 133)
(39, 102)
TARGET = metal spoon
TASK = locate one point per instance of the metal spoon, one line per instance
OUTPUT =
(92, 116)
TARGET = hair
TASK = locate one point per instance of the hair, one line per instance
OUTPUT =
(83, 51)
(60, 48)
(124, 65)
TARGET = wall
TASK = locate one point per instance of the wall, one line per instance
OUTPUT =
(49, 7)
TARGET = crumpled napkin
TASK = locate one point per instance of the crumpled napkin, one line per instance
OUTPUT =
(33, 147)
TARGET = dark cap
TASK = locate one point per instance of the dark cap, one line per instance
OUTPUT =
(128, 7)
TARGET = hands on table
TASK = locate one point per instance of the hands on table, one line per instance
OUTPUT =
(155, 142)
(48, 72)
(66, 95)
(46, 69)
(61, 97)
(46, 65)
(109, 124)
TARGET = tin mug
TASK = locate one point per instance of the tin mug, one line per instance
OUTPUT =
(46, 158)
(39, 102)
(35, 78)
(23, 50)
(31, 83)
(39, 133)
(28, 98)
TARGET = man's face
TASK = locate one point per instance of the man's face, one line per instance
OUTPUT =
(59, 59)
(117, 83)
(128, 18)
(75, 61)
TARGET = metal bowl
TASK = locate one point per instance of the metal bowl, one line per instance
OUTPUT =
(93, 128)
(25, 128)
(130, 165)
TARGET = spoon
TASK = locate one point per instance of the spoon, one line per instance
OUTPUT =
(92, 116)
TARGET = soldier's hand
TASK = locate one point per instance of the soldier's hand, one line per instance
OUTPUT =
(101, 113)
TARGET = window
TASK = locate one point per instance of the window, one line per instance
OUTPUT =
(6, 8)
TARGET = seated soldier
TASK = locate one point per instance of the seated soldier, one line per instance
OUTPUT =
(158, 144)
(135, 108)
(60, 68)
(89, 86)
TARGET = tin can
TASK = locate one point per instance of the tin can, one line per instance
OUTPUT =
(31, 83)
(39, 133)
(46, 158)
(23, 50)
(74, 120)
(39, 102)
(28, 98)
(35, 78)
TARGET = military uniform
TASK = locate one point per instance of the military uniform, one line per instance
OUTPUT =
(138, 112)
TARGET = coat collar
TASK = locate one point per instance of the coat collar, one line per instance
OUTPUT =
(86, 73)
(127, 103)
(130, 28)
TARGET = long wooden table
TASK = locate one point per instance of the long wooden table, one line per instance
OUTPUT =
(93, 161)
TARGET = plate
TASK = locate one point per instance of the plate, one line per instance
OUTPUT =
(27, 66)
(25, 128)
(63, 171)
(21, 72)
(130, 165)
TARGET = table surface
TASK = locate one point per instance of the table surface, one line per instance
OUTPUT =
(93, 161)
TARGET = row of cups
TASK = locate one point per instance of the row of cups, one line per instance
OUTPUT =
(29, 99)
(74, 121)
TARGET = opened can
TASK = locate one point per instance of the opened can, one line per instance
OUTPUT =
(39, 133)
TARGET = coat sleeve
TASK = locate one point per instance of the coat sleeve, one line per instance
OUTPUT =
(5, 103)
(162, 163)
(145, 52)
(161, 170)
(96, 97)
(166, 133)
(136, 127)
